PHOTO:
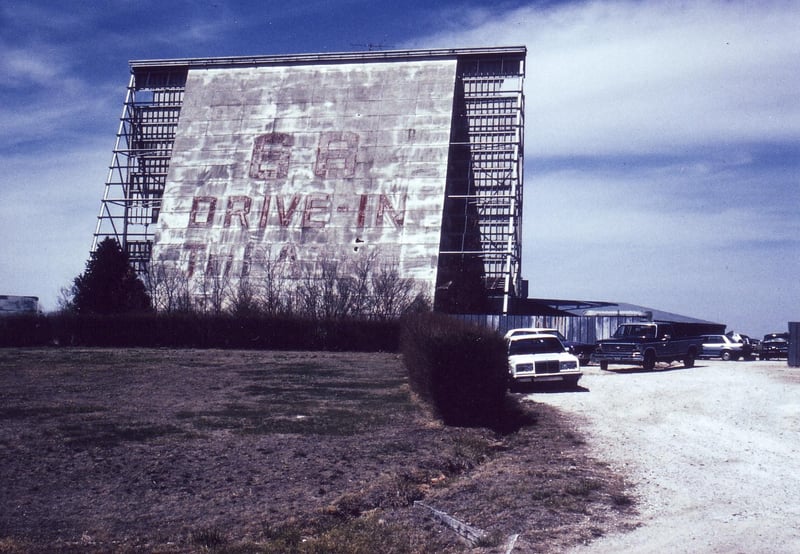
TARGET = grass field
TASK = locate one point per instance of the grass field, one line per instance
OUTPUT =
(250, 451)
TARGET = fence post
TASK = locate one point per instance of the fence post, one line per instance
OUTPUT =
(794, 344)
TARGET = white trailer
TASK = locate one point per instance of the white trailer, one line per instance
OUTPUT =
(14, 305)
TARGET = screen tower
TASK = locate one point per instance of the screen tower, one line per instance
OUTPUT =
(409, 157)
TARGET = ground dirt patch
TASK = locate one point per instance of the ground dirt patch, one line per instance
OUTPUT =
(250, 451)
(712, 450)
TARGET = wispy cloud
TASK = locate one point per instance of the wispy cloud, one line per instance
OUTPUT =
(22, 67)
(662, 142)
(633, 77)
(662, 139)
(40, 17)
(45, 97)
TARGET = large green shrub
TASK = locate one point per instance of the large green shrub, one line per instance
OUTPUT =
(458, 368)
(109, 285)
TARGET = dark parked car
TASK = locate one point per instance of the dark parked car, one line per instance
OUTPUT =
(775, 345)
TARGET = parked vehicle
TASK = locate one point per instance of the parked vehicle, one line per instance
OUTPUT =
(775, 345)
(645, 344)
(16, 305)
(722, 347)
(540, 357)
(582, 350)
(750, 346)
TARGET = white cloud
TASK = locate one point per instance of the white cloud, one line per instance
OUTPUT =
(35, 15)
(24, 66)
(631, 77)
(196, 31)
(45, 99)
(662, 204)
(661, 146)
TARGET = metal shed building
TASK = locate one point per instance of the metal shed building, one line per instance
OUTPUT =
(414, 157)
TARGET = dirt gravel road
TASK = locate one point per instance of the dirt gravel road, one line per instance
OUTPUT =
(713, 452)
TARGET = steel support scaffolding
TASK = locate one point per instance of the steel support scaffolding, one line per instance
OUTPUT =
(492, 198)
(139, 163)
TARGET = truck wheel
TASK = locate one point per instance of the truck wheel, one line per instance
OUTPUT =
(688, 361)
(726, 355)
(604, 365)
(649, 362)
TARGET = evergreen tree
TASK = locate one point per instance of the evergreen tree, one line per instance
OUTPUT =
(109, 285)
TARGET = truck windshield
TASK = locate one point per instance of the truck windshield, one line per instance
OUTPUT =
(637, 331)
(539, 345)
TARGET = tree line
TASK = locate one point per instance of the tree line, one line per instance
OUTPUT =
(370, 288)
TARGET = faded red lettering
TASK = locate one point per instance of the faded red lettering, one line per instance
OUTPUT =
(317, 212)
(386, 209)
(219, 265)
(288, 254)
(247, 259)
(195, 251)
(271, 156)
(238, 206)
(285, 215)
(362, 210)
(262, 221)
(336, 156)
(202, 214)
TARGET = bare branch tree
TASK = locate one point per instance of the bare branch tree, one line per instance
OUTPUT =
(392, 294)
(361, 271)
(168, 287)
(65, 301)
(244, 300)
(215, 284)
(275, 297)
(326, 292)
(358, 289)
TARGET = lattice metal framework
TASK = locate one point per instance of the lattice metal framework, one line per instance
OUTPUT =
(139, 163)
(493, 111)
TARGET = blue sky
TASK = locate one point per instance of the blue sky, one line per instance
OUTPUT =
(662, 154)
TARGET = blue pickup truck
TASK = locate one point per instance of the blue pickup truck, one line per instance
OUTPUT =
(645, 344)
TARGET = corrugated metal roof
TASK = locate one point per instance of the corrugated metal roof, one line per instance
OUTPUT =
(596, 308)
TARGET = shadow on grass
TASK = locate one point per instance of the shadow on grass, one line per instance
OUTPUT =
(515, 416)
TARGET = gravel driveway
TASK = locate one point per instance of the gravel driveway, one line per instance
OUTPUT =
(713, 452)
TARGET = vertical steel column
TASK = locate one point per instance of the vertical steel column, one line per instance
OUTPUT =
(106, 224)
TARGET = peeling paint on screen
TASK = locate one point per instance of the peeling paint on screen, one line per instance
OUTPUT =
(308, 163)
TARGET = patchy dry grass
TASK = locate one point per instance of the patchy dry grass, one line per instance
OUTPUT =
(246, 451)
